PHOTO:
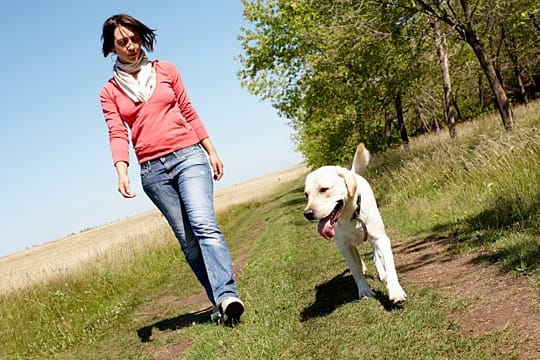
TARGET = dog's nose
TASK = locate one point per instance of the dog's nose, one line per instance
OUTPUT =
(309, 214)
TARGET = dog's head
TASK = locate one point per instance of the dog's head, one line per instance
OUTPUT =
(328, 190)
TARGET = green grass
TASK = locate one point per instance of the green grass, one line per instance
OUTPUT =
(481, 191)
(85, 306)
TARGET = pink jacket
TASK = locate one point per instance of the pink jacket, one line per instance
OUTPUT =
(165, 123)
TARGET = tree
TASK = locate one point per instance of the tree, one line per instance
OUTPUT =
(449, 105)
(520, 40)
(463, 23)
(344, 71)
(332, 68)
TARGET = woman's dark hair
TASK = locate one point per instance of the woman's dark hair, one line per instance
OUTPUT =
(147, 35)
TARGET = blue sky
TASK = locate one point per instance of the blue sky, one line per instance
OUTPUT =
(57, 176)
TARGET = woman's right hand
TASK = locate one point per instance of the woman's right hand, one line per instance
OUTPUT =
(123, 180)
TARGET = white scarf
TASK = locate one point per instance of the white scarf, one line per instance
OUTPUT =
(142, 88)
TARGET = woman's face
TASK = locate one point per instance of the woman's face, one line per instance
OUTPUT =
(127, 45)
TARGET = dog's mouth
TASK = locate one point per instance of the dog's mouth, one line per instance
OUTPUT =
(327, 224)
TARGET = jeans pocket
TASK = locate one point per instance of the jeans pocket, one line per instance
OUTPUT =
(145, 169)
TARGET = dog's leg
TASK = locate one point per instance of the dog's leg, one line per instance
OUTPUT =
(379, 265)
(357, 267)
(383, 250)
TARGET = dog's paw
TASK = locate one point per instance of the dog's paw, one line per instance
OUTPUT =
(397, 296)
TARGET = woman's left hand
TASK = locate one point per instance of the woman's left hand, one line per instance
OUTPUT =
(217, 166)
(213, 157)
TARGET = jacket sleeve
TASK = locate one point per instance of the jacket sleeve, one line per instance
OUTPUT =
(184, 104)
(118, 132)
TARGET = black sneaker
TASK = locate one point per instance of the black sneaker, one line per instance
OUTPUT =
(231, 308)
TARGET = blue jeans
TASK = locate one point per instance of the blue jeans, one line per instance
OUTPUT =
(180, 184)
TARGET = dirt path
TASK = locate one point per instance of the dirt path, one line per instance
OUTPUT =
(163, 329)
(502, 302)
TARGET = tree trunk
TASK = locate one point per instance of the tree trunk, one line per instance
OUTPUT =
(388, 125)
(442, 50)
(501, 99)
(466, 31)
(482, 97)
(400, 120)
(458, 112)
(517, 69)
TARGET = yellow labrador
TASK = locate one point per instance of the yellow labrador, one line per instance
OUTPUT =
(344, 203)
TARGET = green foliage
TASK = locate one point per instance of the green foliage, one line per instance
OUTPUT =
(334, 69)
(331, 68)
(336, 146)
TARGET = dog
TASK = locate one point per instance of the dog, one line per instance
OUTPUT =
(343, 202)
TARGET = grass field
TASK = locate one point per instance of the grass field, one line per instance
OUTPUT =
(57, 258)
(477, 195)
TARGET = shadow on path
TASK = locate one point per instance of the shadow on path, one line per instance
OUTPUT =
(338, 291)
(175, 323)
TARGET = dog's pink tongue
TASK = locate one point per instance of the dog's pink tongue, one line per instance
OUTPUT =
(326, 229)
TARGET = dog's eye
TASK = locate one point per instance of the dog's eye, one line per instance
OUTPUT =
(324, 189)
(305, 194)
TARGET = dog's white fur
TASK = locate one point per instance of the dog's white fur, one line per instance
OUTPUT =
(326, 187)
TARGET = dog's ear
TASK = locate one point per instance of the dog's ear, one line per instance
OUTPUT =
(350, 180)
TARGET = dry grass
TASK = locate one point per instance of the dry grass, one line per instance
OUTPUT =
(59, 257)
(256, 188)
(55, 258)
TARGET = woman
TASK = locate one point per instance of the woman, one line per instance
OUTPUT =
(175, 154)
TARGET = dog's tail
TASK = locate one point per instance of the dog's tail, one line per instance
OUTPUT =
(361, 159)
